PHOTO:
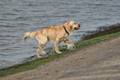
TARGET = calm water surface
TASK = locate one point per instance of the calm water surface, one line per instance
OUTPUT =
(20, 16)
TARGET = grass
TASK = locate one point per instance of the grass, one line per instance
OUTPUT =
(36, 63)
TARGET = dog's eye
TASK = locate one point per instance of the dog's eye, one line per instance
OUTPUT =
(74, 23)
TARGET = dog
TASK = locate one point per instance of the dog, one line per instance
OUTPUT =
(57, 34)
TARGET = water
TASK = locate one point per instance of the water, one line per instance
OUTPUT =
(20, 16)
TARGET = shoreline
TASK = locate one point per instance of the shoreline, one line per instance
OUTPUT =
(96, 61)
(100, 31)
(35, 63)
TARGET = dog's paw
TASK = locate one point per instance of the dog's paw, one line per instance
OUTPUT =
(39, 56)
(70, 47)
(58, 52)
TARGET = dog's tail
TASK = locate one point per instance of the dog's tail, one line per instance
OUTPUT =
(29, 34)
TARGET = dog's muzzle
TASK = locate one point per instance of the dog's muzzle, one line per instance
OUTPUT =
(76, 28)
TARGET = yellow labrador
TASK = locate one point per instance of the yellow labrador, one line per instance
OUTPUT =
(56, 34)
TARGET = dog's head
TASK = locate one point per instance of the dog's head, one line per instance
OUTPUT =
(71, 26)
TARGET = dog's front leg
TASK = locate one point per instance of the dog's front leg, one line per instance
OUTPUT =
(70, 44)
(56, 46)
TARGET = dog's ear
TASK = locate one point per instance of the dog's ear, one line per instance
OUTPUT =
(69, 27)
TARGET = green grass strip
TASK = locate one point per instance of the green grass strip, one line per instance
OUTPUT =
(35, 63)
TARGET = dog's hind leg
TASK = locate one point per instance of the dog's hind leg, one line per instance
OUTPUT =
(42, 43)
(40, 49)
(37, 52)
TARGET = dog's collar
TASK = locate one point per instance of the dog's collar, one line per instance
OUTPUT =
(65, 30)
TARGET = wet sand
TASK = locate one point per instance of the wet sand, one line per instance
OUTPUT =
(97, 62)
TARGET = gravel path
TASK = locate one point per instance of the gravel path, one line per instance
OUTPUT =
(97, 62)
